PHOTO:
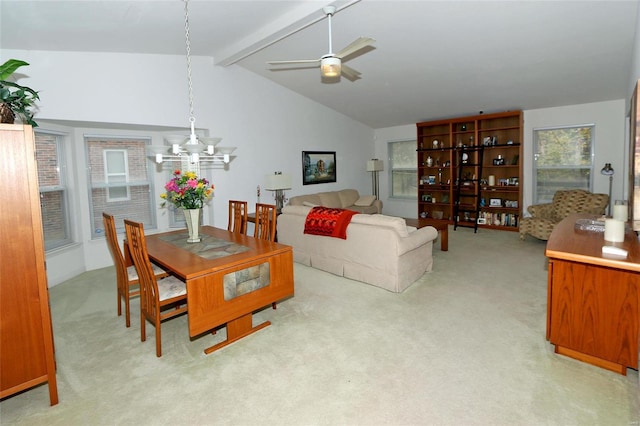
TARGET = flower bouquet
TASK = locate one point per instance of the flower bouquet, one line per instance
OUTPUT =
(187, 191)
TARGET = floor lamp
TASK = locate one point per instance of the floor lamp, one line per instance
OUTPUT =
(278, 182)
(607, 170)
(375, 166)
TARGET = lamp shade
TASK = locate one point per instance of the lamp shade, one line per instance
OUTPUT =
(607, 170)
(277, 181)
(375, 165)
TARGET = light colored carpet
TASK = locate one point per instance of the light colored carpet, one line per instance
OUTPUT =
(464, 345)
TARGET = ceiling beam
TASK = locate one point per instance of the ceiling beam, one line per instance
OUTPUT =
(303, 16)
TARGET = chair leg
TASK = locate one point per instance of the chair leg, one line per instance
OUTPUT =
(273, 305)
(119, 301)
(143, 329)
(158, 340)
(127, 310)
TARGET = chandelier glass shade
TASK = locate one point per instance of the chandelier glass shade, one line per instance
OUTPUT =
(193, 148)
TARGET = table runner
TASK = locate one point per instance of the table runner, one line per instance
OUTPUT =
(209, 247)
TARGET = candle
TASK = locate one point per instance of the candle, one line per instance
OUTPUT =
(613, 230)
(492, 180)
(620, 211)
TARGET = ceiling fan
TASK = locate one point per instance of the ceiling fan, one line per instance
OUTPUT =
(330, 64)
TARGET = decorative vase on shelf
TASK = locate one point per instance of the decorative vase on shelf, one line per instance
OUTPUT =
(192, 217)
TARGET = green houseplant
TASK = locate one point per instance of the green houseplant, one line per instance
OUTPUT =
(14, 98)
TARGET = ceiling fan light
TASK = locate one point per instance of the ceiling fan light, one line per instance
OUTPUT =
(330, 67)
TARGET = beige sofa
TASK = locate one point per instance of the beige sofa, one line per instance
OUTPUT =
(379, 250)
(344, 199)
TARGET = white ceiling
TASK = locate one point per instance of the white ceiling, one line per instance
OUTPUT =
(432, 59)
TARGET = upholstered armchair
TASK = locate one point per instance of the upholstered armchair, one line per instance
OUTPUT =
(544, 217)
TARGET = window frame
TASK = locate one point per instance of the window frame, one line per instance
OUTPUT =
(588, 169)
(148, 217)
(393, 171)
(61, 140)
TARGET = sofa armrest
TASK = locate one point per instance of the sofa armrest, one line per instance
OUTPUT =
(416, 239)
(541, 210)
(378, 205)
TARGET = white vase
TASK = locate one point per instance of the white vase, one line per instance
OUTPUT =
(192, 217)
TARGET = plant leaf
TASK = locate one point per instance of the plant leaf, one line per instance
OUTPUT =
(10, 67)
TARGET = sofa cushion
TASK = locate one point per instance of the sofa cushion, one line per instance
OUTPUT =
(330, 199)
(348, 197)
(398, 224)
(365, 200)
(297, 210)
(298, 200)
(342, 199)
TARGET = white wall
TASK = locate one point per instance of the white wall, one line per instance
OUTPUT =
(268, 124)
(609, 141)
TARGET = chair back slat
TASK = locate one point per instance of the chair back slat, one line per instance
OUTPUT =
(237, 216)
(265, 222)
(114, 247)
(149, 295)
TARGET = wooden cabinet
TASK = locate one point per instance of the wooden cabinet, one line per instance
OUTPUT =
(26, 338)
(440, 147)
(593, 298)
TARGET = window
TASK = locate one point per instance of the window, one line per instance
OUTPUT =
(53, 191)
(403, 161)
(119, 181)
(563, 159)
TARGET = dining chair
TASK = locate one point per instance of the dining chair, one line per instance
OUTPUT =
(127, 281)
(157, 297)
(237, 216)
(265, 228)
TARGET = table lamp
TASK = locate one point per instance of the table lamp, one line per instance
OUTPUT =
(278, 182)
(607, 170)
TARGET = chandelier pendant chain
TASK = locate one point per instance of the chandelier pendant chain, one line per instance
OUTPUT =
(192, 119)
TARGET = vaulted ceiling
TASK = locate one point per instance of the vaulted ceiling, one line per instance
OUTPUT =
(431, 59)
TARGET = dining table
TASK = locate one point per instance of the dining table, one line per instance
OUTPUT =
(229, 276)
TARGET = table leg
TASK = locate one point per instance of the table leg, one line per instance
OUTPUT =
(444, 241)
(236, 330)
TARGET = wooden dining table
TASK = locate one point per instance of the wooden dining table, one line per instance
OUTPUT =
(229, 276)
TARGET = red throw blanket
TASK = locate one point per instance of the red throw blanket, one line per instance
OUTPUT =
(328, 222)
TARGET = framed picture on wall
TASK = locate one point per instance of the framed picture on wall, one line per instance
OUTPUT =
(318, 167)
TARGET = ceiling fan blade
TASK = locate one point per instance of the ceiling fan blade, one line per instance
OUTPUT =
(299, 61)
(355, 46)
(350, 73)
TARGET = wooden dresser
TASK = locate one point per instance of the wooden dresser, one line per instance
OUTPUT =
(593, 299)
(26, 338)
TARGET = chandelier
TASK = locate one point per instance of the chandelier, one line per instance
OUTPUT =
(191, 148)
